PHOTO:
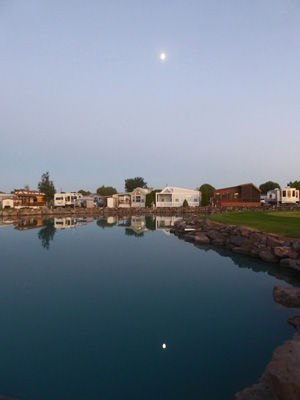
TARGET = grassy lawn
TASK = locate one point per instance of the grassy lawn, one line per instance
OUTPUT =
(284, 223)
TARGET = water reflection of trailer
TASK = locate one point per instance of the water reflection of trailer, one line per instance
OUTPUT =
(165, 224)
(66, 199)
(65, 222)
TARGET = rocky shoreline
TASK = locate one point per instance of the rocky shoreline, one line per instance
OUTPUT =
(105, 212)
(281, 379)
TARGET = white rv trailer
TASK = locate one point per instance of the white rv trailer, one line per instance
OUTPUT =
(66, 199)
(283, 196)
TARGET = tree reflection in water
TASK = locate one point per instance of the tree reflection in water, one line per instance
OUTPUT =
(47, 233)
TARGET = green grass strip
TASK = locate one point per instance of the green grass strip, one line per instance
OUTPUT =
(283, 223)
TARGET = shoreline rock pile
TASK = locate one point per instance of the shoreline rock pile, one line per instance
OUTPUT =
(242, 240)
(281, 379)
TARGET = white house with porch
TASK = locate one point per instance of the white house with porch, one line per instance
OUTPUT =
(174, 197)
(135, 199)
(138, 197)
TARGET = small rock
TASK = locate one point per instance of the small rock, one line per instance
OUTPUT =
(201, 238)
(295, 322)
(287, 296)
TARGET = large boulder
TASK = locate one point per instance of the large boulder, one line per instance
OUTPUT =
(267, 255)
(285, 252)
(238, 241)
(208, 225)
(283, 372)
(274, 242)
(201, 238)
(287, 296)
(281, 379)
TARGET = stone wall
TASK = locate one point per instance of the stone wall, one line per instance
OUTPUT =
(104, 212)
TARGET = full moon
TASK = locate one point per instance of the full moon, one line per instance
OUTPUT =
(163, 56)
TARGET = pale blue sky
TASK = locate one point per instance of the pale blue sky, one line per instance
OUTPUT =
(85, 96)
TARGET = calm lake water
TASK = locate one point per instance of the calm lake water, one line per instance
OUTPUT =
(85, 307)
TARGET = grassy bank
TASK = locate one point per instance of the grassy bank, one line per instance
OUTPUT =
(284, 223)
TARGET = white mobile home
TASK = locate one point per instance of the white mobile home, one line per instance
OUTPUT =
(66, 199)
(174, 197)
(138, 197)
(283, 196)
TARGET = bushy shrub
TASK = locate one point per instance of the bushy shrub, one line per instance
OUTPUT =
(185, 203)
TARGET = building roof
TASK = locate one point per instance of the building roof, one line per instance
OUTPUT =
(172, 189)
(28, 193)
(244, 184)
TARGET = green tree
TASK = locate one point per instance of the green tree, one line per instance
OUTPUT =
(265, 187)
(106, 190)
(150, 197)
(185, 203)
(295, 184)
(133, 183)
(84, 192)
(207, 191)
(46, 186)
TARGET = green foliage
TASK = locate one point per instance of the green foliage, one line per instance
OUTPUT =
(265, 187)
(46, 186)
(150, 198)
(207, 191)
(84, 192)
(133, 183)
(185, 203)
(295, 185)
(106, 190)
(204, 199)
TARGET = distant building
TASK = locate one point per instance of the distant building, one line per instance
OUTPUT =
(6, 200)
(28, 198)
(174, 197)
(247, 195)
(134, 199)
(286, 195)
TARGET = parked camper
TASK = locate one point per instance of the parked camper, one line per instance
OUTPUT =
(66, 199)
(283, 196)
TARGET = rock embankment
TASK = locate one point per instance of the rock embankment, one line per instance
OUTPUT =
(281, 379)
(267, 247)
